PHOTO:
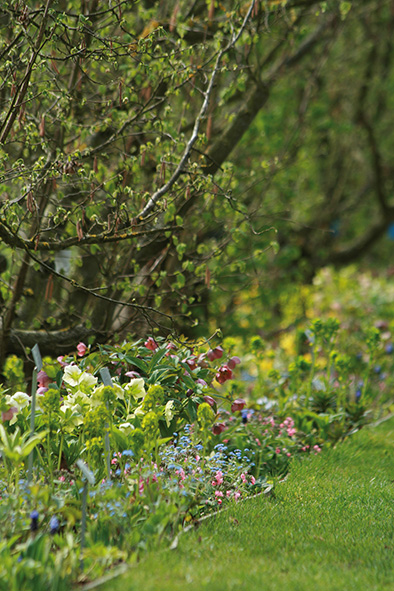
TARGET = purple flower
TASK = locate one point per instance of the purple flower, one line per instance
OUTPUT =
(54, 525)
(34, 520)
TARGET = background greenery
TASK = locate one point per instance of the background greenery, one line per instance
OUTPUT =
(163, 163)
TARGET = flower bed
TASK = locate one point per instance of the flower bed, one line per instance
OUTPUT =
(119, 461)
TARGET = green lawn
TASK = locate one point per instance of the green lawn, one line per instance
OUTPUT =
(328, 527)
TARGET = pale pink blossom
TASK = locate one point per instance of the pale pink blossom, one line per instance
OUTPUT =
(61, 362)
(7, 415)
(81, 348)
(181, 473)
(43, 379)
(219, 477)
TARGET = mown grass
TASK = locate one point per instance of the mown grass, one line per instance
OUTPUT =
(328, 527)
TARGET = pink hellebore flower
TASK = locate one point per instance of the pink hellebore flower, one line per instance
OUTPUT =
(218, 428)
(253, 480)
(233, 362)
(278, 450)
(201, 360)
(169, 348)
(151, 344)
(7, 415)
(191, 362)
(132, 374)
(238, 404)
(216, 353)
(43, 379)
(243, 478)
(81, 348)
(210, 400)
(60, 360)
(224, 374)
(237, 494)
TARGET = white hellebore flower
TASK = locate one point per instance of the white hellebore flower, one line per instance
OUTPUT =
(77, 402)
(87, 380)
(73, 376)
(126, 428)
(19, 399)
(136, 388)
(97, 392)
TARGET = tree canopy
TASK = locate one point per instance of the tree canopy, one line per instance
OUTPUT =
(156, 155)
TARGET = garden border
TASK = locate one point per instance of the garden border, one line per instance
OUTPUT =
(124, 567)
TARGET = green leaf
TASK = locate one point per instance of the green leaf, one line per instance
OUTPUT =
(140, 363)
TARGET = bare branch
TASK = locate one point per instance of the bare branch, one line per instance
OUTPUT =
(194, 136)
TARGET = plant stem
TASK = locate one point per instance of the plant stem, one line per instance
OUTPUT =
(60, 451)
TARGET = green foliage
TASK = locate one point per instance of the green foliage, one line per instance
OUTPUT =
(136, 151)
